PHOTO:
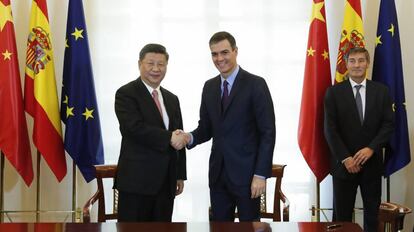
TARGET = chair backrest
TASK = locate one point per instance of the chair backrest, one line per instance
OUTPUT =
(107, 171)
(280, 201)
(391, 217)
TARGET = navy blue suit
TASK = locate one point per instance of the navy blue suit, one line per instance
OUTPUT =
(243, 139)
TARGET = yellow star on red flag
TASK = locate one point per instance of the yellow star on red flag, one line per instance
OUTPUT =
(311, 51)
(316, 11)
(325, 54)
(5, 15)
(7, 55)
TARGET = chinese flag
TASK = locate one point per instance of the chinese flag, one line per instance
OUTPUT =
(317, 79)
(14, 140)
(41, 100)
(352, 35)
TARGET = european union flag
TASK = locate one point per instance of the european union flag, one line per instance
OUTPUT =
(388, 70)
(79, 111)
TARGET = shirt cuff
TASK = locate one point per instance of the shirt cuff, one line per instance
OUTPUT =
(347, 158)
(261, 177)
(191, 139)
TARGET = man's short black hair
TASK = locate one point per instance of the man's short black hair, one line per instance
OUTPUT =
(153, 48)
(223, 35)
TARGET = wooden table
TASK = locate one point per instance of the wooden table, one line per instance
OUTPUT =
(180, 227)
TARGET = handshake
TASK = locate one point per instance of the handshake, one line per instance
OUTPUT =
(180, 139)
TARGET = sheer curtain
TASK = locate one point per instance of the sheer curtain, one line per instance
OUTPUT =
(271, 37)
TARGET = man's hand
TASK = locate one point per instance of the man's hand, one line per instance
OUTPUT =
(180, 187)
(179, 139)
(363, 155)
(258, 186)
(351, 165)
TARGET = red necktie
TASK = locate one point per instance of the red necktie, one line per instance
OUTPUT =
(157, 102)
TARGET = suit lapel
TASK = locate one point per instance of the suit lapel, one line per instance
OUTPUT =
(217, 94)
(369, 99)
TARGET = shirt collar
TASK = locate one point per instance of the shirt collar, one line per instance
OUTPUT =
(231, 78)
(150, 89)
(353, 83)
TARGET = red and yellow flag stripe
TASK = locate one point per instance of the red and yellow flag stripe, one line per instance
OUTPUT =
(41, 99)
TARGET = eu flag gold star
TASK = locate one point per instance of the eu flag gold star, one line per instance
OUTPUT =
(391, 30)
(66, 101)
(378, 40)
(5, 15)
(77, 33)
(69, 111)
(7, 55)
(88, 113)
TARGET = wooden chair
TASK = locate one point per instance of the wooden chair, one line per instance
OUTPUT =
(102, 172)
(280, 201)
(391, 217)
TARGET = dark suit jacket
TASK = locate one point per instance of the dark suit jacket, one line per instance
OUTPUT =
(345, 134)
(146, 154)
(244, 134)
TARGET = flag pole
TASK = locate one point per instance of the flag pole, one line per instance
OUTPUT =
(38, 186)
(73, 191)
(388, 188)
(2, 186)
(318, 202)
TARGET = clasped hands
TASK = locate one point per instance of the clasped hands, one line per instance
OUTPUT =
(179, 139)
(354, 163)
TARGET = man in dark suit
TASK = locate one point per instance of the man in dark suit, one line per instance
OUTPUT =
(152, 163)
(237, 112)
(358, 123)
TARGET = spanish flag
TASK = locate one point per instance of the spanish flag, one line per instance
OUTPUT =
(352, 35)
(41, 100)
